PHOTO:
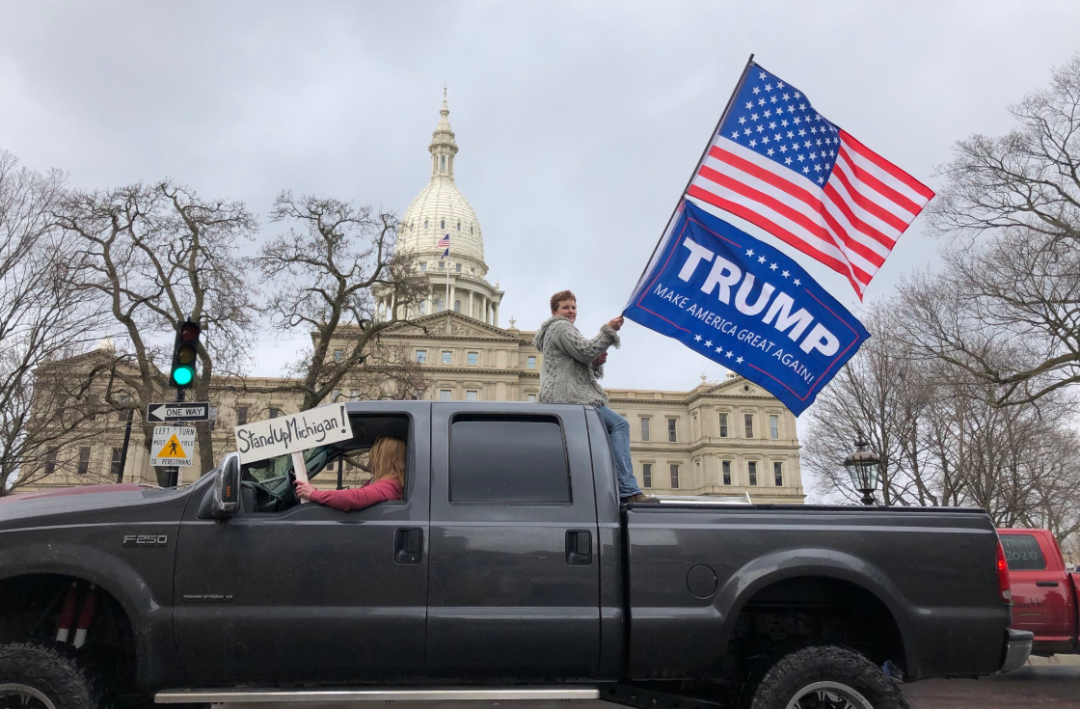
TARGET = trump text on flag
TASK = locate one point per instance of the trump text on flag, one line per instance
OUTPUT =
(747, 306)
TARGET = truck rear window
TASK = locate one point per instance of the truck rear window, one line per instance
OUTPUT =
(1022, 552)
(499, 459)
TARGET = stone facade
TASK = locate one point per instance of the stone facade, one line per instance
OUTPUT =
(719, 438)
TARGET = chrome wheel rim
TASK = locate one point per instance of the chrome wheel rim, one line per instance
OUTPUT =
(21, 696)
(828, 695)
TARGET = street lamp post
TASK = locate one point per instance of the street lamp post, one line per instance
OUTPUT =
(862, 466)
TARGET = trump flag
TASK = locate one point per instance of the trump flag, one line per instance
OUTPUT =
(745, 305)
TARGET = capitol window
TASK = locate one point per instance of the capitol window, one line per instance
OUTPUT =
(442, 162)
(470, 230)
(423, 266)
(457, 267)
(425, 223)
(442, 224)
(459, 226)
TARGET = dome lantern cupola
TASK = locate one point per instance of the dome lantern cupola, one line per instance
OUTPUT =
(443, 148)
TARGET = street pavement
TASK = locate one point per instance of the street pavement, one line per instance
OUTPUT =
(1050, 684)
(1053, 683)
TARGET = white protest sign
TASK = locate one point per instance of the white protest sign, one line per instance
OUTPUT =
(293, 434)
(172, 445)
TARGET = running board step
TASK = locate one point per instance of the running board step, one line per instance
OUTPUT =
(429, 694)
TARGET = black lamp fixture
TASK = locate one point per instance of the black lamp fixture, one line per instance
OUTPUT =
(862, 466)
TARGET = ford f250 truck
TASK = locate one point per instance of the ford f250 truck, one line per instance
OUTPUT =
(509, 570)
(1045, 593)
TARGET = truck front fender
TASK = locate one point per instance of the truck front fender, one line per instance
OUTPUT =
(149, 613)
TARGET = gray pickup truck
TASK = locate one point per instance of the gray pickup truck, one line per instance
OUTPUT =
(508, 571)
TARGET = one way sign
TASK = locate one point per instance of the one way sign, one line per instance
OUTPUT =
(193, 411)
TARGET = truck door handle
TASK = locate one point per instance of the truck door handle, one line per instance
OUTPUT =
(408, 546)
(578, 547)
(1045, 584)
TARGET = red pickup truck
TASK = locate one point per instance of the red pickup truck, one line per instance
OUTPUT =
(1044, 592)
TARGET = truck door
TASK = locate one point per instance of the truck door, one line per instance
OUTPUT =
(513, 567)
(308, 593)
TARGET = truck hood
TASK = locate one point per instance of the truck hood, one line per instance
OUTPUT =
(79, 499)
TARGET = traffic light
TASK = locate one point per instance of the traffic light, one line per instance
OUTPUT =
(185, 352)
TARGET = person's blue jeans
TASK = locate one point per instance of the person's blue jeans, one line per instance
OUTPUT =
(619, 430)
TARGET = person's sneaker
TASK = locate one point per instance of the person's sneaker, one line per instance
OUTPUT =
(638, 497)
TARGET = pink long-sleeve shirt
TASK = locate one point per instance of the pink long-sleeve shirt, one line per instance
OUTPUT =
(360, 497)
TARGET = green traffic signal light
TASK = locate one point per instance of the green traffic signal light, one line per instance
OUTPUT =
(182, 376)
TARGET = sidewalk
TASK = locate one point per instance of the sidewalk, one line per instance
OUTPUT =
(1055, 661)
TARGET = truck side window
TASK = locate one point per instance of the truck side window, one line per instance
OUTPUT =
(1022, 552)
(508, 460)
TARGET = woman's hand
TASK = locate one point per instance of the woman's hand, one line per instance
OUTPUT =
(615, 323)
(599, 361)
(304, 490)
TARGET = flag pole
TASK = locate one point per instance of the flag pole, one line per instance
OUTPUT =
(712, 136)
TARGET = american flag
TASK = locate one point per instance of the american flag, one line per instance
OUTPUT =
(780, 165)
(444, 242)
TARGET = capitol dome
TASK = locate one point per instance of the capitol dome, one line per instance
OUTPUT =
(457, 280)
(441, 209)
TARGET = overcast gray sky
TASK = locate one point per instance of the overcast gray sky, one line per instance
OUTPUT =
(578, 122)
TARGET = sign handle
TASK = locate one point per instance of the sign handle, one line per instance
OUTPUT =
(300, 469)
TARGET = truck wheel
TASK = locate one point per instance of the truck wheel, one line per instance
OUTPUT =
(825, 677)
(40, 677)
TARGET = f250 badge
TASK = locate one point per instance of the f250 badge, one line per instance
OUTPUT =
(146, 540)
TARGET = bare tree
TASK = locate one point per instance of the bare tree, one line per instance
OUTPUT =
(880, 396)
(43, 318)
(941, 440)
(158, 255)
(1006, 309)
(325, 273)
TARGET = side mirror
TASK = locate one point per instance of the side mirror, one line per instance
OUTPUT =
(226, 494)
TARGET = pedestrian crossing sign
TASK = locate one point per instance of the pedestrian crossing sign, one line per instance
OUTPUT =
(172, 445)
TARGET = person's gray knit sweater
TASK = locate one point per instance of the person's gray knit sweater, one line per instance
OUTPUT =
(568, 375)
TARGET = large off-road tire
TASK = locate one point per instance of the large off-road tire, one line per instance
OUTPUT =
(36, 676)
(824, 677)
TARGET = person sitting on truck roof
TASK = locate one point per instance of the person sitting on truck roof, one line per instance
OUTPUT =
(387, 464)
(571, 372)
